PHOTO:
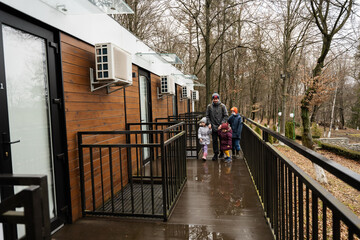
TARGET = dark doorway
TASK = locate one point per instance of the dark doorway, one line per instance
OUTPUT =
(175, 101)
(32, 126)
(145, 110)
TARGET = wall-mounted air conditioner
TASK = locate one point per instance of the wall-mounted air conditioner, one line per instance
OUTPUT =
(167, 85)
(195, 95)
(185, 92)
(113, 64)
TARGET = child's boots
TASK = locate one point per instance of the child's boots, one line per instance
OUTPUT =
(227, 160)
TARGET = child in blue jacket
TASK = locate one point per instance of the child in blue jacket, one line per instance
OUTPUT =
(236, 125)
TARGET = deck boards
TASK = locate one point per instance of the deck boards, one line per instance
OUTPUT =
(219, 201)
(141, 202)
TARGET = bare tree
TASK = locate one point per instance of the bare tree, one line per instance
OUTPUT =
(144, 21)
(205, 13)
(293, 21)
(330, 17)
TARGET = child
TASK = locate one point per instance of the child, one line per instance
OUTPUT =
(204, 136)
(225, 134)
(236, 125)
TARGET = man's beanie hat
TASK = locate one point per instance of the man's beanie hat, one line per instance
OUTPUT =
(215, 95)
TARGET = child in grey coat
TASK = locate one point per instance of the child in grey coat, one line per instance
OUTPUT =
(204, 136)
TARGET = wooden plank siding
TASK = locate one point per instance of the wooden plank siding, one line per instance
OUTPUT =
(88, 111)
(99, 111)
(160, 106)
(182, 103)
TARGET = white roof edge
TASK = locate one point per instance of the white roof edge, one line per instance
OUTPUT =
(96, 28)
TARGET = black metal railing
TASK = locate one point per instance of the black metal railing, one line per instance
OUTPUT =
(34, 201)
(192, 114)
(191, 121)
(296, 206)
(137, 173)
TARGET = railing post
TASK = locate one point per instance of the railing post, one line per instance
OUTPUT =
(45, 206)
(81, 168)
(265, 136)
(163, 174)
(33, 218)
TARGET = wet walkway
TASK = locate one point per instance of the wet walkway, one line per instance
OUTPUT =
(219, 201)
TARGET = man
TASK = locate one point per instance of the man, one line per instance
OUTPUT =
(216, 114)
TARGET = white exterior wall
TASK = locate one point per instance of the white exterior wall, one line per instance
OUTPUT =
(96, 28)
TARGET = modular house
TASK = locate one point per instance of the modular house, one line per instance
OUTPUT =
(56, 79)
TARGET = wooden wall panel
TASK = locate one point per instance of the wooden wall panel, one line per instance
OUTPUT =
(159, 106)
(132, 99)
(182, 104)
(99, 111)
(85, 110)
(169, 101)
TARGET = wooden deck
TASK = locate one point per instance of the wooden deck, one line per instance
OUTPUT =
(219, 201)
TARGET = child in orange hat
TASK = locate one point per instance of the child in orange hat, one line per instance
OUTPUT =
(236, 125)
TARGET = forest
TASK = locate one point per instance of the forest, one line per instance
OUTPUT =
(264, 57)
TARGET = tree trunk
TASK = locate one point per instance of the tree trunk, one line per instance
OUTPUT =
(306, 137)
(320, 174)
(222, 50)
(207, 38)
(332, 113)
(341, 104)
(314, 112)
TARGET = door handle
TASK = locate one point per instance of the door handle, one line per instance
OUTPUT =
(8, 142)
(17, 141)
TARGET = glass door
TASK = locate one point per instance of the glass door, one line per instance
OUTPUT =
(28, 106)
(145, 115)
(175, 105)
(32, 140)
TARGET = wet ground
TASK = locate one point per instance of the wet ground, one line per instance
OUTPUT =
(219, 201)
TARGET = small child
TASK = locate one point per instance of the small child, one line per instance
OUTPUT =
(236, 124)
(225, 134)
(204, 136)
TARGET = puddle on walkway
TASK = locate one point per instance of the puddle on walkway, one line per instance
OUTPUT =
(224, 184)
(193, 232)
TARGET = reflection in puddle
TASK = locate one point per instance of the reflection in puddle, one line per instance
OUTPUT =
(228, 168)
(195, 232)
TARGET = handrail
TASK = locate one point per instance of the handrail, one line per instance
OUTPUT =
(174, 126)
(122, 145)
(120, 132)
(150, 123)
(34, 198)
(295, 205)
(167, 142)
(341, 172)
(145, 166)
(351, 218)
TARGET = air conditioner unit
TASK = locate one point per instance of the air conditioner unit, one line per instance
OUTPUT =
(113, 64)
(195, 95)
(185, 93)
(167, 85)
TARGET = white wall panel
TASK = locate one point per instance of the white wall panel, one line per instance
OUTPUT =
(95, 28)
